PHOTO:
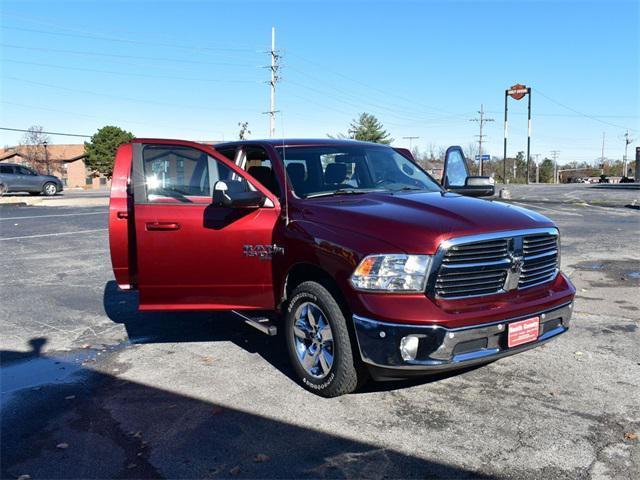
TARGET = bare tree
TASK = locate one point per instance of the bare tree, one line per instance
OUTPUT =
(470, 152)
(431, 151)
(34, 148)
(244, 130)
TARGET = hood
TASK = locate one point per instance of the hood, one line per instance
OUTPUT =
(418, 222)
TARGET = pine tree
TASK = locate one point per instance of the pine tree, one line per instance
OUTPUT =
(369, 129)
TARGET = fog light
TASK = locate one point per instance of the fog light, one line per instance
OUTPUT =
(409, 347)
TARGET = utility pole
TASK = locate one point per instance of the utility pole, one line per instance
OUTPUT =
(537, 155)
(627, 141)
(602, 155)
(411, 139)
(275, 78)
(481, 121)
(554, 155)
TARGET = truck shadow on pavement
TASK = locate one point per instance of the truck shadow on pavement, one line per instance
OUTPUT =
(80, 422)
(175, 327)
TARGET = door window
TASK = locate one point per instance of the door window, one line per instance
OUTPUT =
(176, 174)
(6, 169)
(25, 171)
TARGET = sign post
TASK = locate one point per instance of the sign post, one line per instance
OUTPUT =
(517, 92)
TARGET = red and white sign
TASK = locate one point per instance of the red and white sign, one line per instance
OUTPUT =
(517, 91)
(524, 331)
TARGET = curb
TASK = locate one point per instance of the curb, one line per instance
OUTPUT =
(573, 204)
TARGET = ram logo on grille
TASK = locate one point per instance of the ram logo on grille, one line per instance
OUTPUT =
(515, 269)
(494, 263)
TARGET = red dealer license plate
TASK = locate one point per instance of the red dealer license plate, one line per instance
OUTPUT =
(523, 331)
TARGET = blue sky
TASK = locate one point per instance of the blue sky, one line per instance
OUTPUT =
(193, 69)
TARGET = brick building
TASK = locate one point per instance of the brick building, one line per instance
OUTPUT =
(63, 161)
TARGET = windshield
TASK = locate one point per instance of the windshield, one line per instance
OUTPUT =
(333, 170)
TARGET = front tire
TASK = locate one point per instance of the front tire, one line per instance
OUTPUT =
(318, 342)
(49, 189)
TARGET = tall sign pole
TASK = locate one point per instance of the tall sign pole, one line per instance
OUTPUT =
(517, 92)
(506, 131)
(528, 133)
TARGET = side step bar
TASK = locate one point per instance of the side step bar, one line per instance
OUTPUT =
(262, 324)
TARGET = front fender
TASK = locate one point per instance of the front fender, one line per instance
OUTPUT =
(326, 248)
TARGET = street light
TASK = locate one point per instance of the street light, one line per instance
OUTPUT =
(46, 157)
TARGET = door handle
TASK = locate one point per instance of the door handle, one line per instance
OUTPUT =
(122, 215)
(154, 226)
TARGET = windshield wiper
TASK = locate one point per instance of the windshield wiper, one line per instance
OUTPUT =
(345, 191)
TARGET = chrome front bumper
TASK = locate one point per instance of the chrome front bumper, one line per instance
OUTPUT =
(443, 348)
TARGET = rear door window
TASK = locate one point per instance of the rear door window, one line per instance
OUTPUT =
(6, 169)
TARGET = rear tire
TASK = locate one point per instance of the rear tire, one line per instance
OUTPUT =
(318, 342)
(49, 189)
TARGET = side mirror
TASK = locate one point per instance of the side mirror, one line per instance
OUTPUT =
(477, 187)
(232, 195)
(456, 178)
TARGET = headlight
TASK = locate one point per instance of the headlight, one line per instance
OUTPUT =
(392, 273)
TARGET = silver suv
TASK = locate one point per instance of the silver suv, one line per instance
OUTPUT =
(18, 178)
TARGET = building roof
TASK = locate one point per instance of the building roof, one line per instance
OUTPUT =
(56, 153)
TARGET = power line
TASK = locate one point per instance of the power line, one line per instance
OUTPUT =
(411, 139)
(102, 118)
(128, 74)
(360, 98)
(47, 133)
(117, 97)
(481, 120)
(132, 57)
(91, 33)
(411, 101)
(124, 40)
(581, 113)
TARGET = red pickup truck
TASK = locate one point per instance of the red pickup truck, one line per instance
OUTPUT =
(366, 264)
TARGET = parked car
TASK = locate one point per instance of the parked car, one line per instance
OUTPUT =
(366, 264)
(18, 178)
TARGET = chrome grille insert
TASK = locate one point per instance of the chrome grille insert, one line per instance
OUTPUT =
(494, 263)
(540, 260)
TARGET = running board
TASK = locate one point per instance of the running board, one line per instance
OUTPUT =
(262, 324)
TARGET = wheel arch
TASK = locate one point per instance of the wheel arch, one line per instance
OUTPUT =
(304, 271)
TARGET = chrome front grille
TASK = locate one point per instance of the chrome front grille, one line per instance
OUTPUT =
(540, 260)
(494, 263)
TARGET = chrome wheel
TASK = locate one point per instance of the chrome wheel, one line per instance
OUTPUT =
(50, 189)
(313, 340)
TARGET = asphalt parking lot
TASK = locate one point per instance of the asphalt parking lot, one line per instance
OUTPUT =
(93, 389)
